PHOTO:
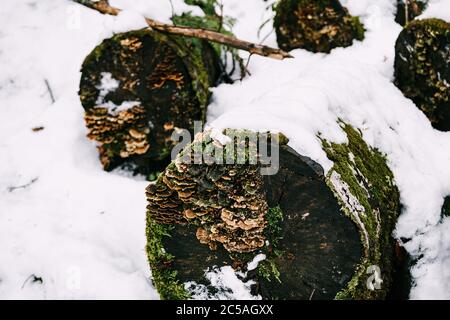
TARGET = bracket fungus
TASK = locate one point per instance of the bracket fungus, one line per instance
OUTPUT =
(137, 87)
(422, 68)
(317, 26)
(318, 232)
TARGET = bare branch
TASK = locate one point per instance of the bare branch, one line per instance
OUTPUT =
(11, 189)
(49, 89)
(103, 6)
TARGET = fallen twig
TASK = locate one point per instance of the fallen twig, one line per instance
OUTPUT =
(50, 91)
(103, 6)
(312, 294)
(11, 189)
(34, 280)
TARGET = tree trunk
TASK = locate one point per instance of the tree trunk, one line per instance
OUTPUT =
(422, 69)
(137, 87)
(316, 26)
(323, 236)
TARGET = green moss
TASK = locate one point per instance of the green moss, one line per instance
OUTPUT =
(268, 270)
(358, 27)
(208, 6)
(211, 21)
(163, 276)
(273, 230)
(363, 184)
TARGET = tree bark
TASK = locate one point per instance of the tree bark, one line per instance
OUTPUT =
(320, 233)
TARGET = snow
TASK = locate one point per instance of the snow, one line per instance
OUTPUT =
(252, 265)
(82, 230)
(227, 281)
(107, 84)
(437, 9)
(218, 136)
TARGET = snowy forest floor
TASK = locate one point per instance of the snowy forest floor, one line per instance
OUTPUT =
(69, 230)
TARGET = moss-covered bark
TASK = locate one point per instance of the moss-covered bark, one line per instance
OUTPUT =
(422, 68)
(164, 80)
(407, 10)
(364, 185)
(320, 234)
(317, 26)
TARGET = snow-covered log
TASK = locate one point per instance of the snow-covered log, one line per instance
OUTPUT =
(300, 233)
(407, 10)
(317, 26)
(422, 68)
(137, 87)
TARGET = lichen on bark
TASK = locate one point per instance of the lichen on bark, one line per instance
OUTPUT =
(317, 26)
(422, 68)
(364, 185)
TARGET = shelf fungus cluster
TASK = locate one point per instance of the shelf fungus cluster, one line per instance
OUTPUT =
(317, 26)
(139, 86)
(422, 68)
(225, 201)
(318, 232)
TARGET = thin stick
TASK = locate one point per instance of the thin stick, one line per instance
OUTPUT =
(50, 91)
(312, 293)
(406, 11)
(11, 189)
(103, 6)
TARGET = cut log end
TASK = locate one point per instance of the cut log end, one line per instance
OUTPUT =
(317, 26)
(312, 240)
(421, 68)
(137, 87)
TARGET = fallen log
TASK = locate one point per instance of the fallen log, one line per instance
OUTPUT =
(422, 68)
(317, 26)
(296, 234)
(139, 86)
